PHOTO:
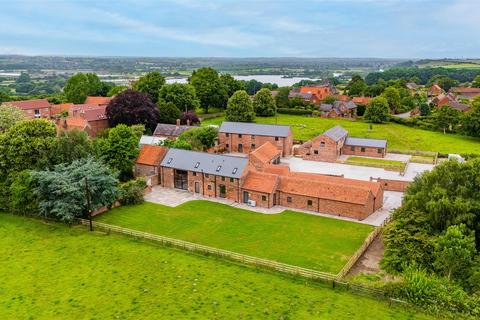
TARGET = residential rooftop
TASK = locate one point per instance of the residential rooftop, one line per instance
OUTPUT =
(255, 129)
(209, 163)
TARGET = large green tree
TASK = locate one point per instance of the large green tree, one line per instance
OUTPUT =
(9, 115)
(454, 252)
(182, 95)
(471, 120)
(150, 83)
(169, 112)
(240, 108)
(446, 118)
(72, 145)
(264, 103)
(356, 86)
(393, 98)
(61, 192)
(476, 82)
(209, 88)
(281, 99)
(445, 196)
(443, 81)
(377, 110)
(119, 149)
(81, 85)
(200, 139)
(231, 83)
(28, 144)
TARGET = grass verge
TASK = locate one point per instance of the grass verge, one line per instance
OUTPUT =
(300, 239)
(392, 165)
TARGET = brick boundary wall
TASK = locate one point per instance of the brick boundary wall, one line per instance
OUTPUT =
(392, 185)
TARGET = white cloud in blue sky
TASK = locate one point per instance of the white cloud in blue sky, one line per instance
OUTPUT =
(321, 28)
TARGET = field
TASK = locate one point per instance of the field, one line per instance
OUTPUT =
(300, 239)
(379, 163)
(399, 137)
(50, 271)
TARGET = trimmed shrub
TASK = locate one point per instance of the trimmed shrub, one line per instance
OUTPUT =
(131, 192)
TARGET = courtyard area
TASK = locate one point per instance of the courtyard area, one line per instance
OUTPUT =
(353, 171)
(306, 240)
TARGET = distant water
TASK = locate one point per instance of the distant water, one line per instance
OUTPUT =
(282, 82)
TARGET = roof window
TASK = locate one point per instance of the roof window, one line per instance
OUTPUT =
(197, 164)
(219, 168)
(169, 160)
(234, 170)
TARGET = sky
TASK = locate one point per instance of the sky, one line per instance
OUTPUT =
(281, 28)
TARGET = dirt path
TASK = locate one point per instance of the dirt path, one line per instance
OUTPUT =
(369, 262)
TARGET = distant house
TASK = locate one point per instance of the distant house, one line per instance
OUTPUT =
(56, 109)
(314, 94)
(334, 142)
(33, 109)
(90, 118)
(245, 137)
(150, 140)
(459, 106)
(412, 86)
(361, 100)
(434, 90)
(465, 93)
(342, 109)
(98, 100)
(170, 131)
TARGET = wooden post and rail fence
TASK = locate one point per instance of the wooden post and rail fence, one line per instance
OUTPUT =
(336, 280)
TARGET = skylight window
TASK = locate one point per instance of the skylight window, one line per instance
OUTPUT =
(169, 160)
(234, 170)
(218, 168)
(197, 164)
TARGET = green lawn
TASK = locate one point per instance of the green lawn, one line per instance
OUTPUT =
(398, 136)
(295, 238)
(379, 163)
(50, 271)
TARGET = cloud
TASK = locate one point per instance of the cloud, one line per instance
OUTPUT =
(221, 36)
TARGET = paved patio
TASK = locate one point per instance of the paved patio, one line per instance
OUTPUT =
(354, 172)
(174, 197)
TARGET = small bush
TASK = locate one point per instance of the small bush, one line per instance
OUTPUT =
(316, 113)
(433, 293)
(131, 192)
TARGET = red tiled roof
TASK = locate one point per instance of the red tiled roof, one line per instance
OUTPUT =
(29, 104)
(260, 182)
(325, 189)
(97, 100)
(266, 152)
(465, 90)
(276, 169)
(151, 155)
(341, 97)
(361, 100)
(59, 108)
(91, 112)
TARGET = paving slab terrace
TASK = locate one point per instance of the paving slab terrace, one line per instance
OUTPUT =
(175, 197)
(355, 172)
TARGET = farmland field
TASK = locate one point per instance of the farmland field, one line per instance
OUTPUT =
(51, 271)
(399, 137)
(305, 240)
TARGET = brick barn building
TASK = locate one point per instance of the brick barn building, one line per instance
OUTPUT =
(148, 163)
(334, 142)
(245, 137)
(259, 181)
(211, 175)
